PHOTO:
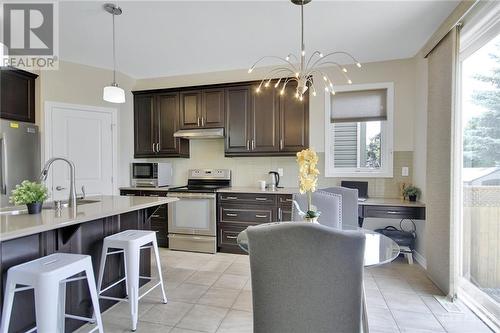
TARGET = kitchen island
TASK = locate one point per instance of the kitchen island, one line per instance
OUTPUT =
(26, 237)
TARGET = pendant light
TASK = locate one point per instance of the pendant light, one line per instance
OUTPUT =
(113, 93)
(298, 68)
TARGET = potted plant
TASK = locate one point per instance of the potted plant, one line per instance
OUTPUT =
(308, 178)
(412, 192)
(31, 194)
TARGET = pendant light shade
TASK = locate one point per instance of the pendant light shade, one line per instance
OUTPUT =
(113, 93)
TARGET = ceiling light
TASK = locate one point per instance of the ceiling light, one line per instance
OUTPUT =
(113, 93)
(303, 70)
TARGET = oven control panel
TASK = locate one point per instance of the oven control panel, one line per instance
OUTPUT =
(224, 174)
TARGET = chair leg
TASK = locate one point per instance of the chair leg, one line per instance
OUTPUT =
(132, 276)
(157, 258)
(364, 315)
(95, 299)
(46, 309)
(7, 304)
(102, 266)
(61, 306)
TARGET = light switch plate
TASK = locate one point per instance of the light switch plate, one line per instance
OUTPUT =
(405, 171)
(280, 172)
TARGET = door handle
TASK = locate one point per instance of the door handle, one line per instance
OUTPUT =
(158, 147)
(280, 215)
(60, 188)
(392, 212)
(231, 214)
(202, 121)
(260, 216)
(198, 121)
(253, 144)
(281, 144)
(248, 144)
(260, 199)
(153, 147)
(232, 237)
(231, 198)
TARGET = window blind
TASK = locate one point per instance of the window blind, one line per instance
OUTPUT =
(358, 106)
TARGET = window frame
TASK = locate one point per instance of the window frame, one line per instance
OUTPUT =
(386, 130)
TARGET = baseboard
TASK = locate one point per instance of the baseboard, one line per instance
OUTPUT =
(420, 259)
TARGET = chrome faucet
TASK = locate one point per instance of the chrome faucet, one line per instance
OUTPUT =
(72, 190)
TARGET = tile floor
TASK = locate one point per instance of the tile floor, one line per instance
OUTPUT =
(212, 293)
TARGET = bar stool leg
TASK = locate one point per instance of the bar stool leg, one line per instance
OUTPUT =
(7, 305)
(61, 306)
(132, 256)
(95, 299)
(45, 307)
(157, 258)
(102, 265)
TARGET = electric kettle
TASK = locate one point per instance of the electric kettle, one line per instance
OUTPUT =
(275, 180)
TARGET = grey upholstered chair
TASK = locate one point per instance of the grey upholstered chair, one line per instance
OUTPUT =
(329, 204)
(349, 204)
(306, 278)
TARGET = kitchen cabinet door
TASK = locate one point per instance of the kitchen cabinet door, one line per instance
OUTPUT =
(167, 115)
(212, 108)
(238, 100)
(17, 91)
(294, 121)
(264, 121)
(190, 115)
(144, 125)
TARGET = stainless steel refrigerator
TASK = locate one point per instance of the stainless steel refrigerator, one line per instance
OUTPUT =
(20, 156)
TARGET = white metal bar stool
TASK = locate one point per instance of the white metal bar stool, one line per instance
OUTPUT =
(48, 277)
(130, 243)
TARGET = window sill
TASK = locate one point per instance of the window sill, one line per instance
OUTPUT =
(358, 174)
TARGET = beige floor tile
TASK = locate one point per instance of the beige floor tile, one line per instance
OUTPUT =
(182, 330)
(248, 285)
(238, 269)
(187, 292)
(374, 298)
(408, 321)
(206, 278)
(122, 309)
(215, 266)
(203, 318)
(167, 314)
(117, 325)
(219, 297)
(379, 318)
(405, 302)
(237, 322)
(231, 281)
(244, 301)
(370, 284)
(393, 285)
(178, 275)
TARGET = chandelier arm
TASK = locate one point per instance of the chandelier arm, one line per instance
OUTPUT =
(317, 71)
(335, 53)
(312, 56)
(272, 57)
(275, 71)
(292, 55)
(340, 70)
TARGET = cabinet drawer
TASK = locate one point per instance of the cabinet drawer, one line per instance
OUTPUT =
(248, 198)
(130, 192)
(148, 193)
(395, 212)
(247, 215)
(229, 236)
(285, 201)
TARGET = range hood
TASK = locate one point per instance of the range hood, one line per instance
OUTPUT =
(206, 133)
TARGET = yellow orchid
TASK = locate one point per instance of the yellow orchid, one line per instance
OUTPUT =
(308, 173)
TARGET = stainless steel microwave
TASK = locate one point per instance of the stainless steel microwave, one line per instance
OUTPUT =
(151, 174)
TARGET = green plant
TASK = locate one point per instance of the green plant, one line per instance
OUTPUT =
(28, 192)
(411, 191)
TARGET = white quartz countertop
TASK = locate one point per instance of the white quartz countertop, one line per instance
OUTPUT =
(15, 226)
(236, 189)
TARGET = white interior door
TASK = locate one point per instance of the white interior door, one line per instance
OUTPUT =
(84, 135)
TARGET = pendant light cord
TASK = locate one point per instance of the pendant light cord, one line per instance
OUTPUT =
(114, 52)
(302, 46)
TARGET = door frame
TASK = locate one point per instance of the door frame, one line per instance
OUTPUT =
(47, 133)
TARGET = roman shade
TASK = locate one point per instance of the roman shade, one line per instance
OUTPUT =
(358, 106)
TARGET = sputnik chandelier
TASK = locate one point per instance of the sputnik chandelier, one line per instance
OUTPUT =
(302, 71)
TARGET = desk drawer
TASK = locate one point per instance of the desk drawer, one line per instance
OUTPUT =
(248, 198)
(396, 212)
(247, 215)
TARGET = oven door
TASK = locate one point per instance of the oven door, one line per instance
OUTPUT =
(143, 171)
(193, 214)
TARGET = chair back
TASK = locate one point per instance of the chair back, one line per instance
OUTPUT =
(306, 278)
(329, 204)
(349, 204)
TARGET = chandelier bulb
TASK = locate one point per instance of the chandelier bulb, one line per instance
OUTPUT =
(250, 70)
(301, 98)
(257, 90)
(333, 92)
(314, 93)
(296, 94)
(321, 55)
(287, 58)
(282, 92)
(331, 85)
(325, 78)
(344, 70)
(303, 52)
(326, 88)
(297, 75)
(349, 81)
(358, 64)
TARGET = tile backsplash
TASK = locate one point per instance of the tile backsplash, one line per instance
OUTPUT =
(247, 171)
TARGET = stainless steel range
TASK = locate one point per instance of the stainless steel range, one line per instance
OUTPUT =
(192, 221)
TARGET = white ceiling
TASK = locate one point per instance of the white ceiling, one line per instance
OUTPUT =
(163, 38)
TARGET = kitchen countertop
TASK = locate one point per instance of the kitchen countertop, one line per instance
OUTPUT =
(163, 188)
(237, 189)
(15, 226)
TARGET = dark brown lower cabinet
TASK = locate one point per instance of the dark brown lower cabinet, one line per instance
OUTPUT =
(237, 211)
(85, 238)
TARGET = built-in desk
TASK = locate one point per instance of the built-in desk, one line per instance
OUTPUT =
(390, 209)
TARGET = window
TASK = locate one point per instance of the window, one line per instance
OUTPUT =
(359, 131)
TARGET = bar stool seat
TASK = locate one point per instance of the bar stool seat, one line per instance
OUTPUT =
(130, 243)
(48, 277)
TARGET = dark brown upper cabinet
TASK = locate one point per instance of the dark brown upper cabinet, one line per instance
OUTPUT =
(202, 108)
(17, 94)
(156, 119)
(265, 123)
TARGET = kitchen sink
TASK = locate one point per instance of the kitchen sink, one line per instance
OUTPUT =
(47, 205)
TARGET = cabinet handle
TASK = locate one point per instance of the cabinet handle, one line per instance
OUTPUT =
(158, 147)
(260, 216)
(130, 194)
(231, 198)
(232, 237)
(155, 215)
(253, 144)
(281, 144)
(231, 214)
(280, 214)
(198, 121)
(261, 199)
(248, 144)
(392, 212)
(202, 121)
(153, 195)
(153, 148)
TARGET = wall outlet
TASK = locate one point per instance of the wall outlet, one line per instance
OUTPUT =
(405, 171)
(280, 172)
